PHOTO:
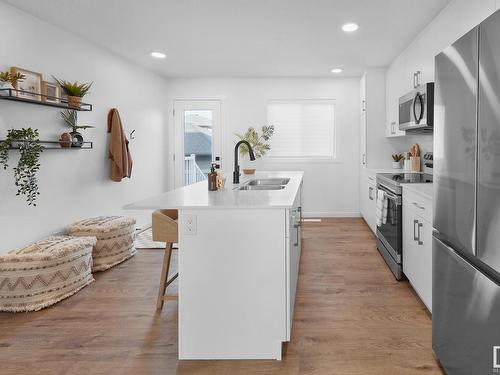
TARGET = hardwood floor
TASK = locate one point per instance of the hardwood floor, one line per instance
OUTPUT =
(351, 317)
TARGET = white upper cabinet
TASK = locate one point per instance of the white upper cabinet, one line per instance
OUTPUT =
(395, 87)
(362, 91)
(372, 117)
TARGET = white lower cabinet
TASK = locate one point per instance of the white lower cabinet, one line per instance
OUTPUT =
(293, 251)
(417, 248)
(368, 199)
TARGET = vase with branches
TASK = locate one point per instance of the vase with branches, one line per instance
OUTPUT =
(258, 141)
(25, 173)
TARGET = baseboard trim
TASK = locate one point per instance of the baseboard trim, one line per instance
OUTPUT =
(330, 214)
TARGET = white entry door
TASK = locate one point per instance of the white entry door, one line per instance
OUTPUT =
(197, 135)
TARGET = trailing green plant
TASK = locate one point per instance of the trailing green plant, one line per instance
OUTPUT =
(12, 78)
(397, 157)
(70, 117)
(25, 174)
(258, 142)
(74, 88)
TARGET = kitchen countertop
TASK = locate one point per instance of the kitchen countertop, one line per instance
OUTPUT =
(384, 170)
(197, 195)
(425, 190)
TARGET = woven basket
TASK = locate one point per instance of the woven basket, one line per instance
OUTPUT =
(45, 272)
(115, 239)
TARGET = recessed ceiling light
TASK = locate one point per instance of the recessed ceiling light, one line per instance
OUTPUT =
(336, 70)
(350, 27)
(158, 55)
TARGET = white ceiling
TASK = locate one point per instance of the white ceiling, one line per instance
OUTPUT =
(244, 38)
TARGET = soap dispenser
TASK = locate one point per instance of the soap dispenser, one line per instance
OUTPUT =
(212, 179)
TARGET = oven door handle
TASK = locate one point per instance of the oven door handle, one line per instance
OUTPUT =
(396, 199)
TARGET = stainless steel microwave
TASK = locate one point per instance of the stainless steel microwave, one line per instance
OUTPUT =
(416, 110)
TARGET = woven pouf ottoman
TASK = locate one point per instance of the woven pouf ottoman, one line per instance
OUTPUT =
(45, 272)
(115, 239)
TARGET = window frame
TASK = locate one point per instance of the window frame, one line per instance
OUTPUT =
(318, 159)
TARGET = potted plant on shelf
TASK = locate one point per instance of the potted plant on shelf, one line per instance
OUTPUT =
(396, 161)
(28, 143)
(8, 81)
(74, 90)
(70, 117)
(259, 142)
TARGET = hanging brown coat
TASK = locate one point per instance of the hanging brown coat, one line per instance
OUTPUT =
(119, 154)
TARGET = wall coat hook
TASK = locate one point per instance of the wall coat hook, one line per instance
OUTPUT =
(132, 134)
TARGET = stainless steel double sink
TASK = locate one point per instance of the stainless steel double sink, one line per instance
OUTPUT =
(265, 184)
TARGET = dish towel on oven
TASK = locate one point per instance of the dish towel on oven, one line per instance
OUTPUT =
(381, 212)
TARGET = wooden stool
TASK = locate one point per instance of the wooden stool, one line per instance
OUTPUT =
(165, 229)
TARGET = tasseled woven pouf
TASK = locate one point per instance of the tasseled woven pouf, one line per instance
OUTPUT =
(115, 239)
(44, 273)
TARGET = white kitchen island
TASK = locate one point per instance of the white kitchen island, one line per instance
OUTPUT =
(239, 253)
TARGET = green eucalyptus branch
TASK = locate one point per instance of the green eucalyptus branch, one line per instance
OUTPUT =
(259, 142)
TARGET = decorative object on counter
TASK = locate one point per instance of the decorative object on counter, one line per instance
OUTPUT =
(221, 180)
(406, 162)
(44, 273)
(119, 153)
(396, 164)
(212, 179)
(28, 143)
(75, 91)
(415, 158)
(259, 143)
(70, 117)
(50, 92)
(115, 239)
(8, 82)
(65, 140)
(30, 87)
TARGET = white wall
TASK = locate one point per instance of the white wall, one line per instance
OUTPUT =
(329, 187)
(74, 184)
(450, 24)
(455, 20)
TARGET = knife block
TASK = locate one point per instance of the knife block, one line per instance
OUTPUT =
(415, 163)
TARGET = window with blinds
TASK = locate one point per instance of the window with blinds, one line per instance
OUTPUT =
(303, 128)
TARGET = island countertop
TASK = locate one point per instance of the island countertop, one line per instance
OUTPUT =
(197, 195)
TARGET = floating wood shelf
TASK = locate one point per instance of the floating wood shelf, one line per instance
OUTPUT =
(54, 145)
(40, 99)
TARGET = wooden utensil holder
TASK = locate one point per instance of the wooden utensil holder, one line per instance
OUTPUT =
(415, 163)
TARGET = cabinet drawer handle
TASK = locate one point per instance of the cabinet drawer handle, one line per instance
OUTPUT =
(420, 242)
(420, 207)
(415, 238)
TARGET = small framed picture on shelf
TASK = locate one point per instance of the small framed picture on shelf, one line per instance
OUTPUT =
(50, 92)
(31, 85)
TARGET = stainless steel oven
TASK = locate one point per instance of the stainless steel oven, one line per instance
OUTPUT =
(416, 110)
(389, 234)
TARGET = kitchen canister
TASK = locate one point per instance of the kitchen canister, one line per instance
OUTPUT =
(407, 165)
(414, 163)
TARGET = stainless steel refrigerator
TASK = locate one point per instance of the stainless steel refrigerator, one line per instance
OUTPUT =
(466, 244)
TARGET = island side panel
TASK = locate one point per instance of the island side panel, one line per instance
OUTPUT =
(232, 287)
